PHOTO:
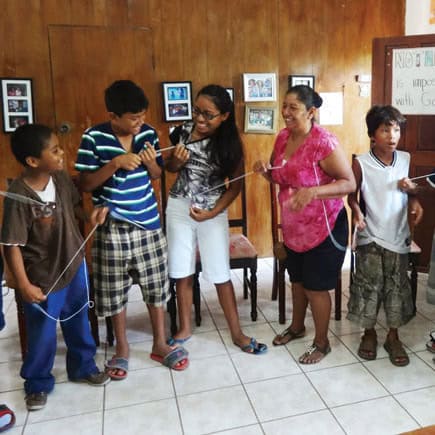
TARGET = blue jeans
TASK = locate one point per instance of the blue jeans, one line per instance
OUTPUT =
(41, 336)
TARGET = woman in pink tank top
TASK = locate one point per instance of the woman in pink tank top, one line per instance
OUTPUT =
(313, 175)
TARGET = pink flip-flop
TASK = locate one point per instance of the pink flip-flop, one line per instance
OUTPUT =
(176, 359)
(117, 363)
(7, 418)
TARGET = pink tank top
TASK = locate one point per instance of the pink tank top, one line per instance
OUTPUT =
(307, 228)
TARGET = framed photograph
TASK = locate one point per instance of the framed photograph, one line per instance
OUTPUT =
(259, 87)
(301, 80)
(177, 101)
(231, 92)
(17, 103)
(260, 119)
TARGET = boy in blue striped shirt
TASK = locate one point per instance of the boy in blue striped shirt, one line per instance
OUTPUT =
(117, 161)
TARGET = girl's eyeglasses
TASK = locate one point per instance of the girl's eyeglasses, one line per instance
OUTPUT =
(206, 115)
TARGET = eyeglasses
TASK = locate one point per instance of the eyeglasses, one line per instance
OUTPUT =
(206, 115)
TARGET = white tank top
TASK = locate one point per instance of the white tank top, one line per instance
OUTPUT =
(386, 206)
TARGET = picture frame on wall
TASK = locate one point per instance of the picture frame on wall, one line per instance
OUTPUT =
(259, 87)
(17, 103)
(294, 80)
(261, 120)
(177, 101)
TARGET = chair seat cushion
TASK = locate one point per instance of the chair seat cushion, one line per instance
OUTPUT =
(241, 247)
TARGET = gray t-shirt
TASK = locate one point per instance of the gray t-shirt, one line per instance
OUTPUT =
(198, 179)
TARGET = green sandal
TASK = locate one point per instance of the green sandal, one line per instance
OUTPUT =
(397, 353)
(368, 347)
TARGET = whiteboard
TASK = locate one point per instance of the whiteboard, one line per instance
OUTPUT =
(413, 80)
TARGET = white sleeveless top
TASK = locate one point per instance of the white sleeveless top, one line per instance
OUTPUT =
(386, 206)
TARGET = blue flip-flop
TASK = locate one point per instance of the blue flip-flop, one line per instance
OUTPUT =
(173, 341)
(254, 347)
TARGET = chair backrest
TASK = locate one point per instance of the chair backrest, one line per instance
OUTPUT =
(7, 274)
(276, 215)
(158, 186)
(241, 221)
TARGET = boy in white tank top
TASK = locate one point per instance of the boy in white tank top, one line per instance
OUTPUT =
(383, 236)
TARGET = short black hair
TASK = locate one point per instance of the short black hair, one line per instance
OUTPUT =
(29, 140)
(124, 96)
(379, 115)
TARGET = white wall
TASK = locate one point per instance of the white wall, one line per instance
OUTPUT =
(417, 18)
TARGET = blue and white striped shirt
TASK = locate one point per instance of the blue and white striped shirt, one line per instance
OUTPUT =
(128, 194)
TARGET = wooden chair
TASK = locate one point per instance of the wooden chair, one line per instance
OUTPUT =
(243, 255)
(9, 282)
(279, 262)
(86, 204)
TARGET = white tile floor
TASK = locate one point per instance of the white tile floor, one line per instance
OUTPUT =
(228, 392)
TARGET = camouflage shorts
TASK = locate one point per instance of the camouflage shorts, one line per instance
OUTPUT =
(381, 278)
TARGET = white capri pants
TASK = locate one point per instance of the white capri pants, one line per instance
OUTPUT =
(183, 235)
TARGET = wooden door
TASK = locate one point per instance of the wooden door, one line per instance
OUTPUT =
(85, 60)
(418, 137)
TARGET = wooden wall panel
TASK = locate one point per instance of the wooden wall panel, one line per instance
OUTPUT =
(207, 41)
(259, 54)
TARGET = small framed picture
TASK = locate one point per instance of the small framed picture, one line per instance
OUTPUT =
(259, 87)
(231, 92)
(17, 103)
(177, 101)
(260, 119)
(301, 80)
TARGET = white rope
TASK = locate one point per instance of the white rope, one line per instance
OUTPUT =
(422, 176)
(22, 198)
(72, 259)
(88, 303)
(237, 178)
(331, 236)
(228, 182)
(165, 149)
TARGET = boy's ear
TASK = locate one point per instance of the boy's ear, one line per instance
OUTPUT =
(112, 115)
(33, 162)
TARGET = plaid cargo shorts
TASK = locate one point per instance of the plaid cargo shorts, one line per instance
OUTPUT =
(123, 255)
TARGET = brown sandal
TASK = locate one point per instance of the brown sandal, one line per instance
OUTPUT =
(287, 335)
(307, 357)
(396, 352)
(368, 347)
